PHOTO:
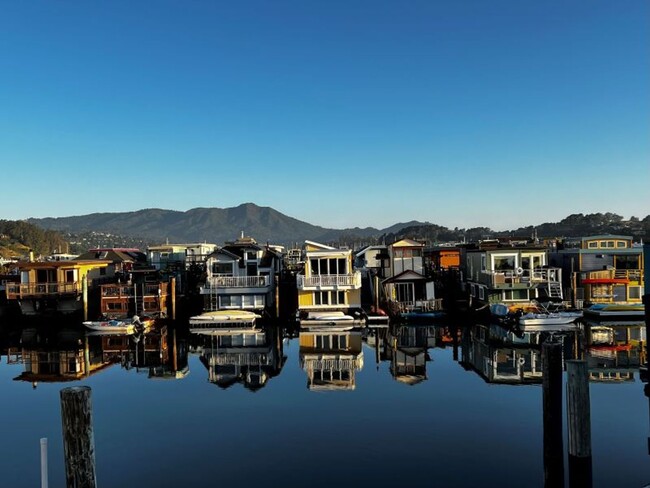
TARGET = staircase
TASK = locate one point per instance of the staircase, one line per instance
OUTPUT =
(555, 290)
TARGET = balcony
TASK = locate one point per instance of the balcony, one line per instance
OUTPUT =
(28, 290)
(521, 278)
(214, 282)
(320, 282)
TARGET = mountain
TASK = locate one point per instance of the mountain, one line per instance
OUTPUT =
(214, 225)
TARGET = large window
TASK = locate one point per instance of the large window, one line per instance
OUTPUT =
(329, 298)
(328, 266)
(222, 269)
(504, 263)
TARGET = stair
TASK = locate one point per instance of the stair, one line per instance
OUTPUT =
(555, 290)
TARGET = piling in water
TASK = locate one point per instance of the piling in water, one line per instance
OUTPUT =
(78, 440)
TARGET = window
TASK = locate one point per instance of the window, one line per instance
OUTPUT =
(621, 244)
(481, 293)
(329, 298)
(626, 262)
(223, 269)
(102, 271)
(635, 292)
(592, 245)
(504, 263)
(483, 262)
(114, 306)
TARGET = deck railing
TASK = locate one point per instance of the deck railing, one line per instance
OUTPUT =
(318, 281)
(524, 276)
(21, 290)
(237, 281)
(420, 305)
(630, 274)
(128, 290)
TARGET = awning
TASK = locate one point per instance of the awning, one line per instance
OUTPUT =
(605, 281)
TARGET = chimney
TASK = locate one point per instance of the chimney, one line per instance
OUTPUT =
(31, 256)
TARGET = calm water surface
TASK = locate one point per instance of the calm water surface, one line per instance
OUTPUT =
(426, 405)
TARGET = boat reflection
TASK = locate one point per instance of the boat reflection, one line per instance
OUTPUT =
(247, 355)
(331, 358)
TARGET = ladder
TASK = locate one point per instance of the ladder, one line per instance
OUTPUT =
(554, 289)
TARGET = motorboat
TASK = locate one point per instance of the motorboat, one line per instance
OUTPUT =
(224, 318)
(120, 326)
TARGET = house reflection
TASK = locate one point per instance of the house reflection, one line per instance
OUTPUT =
(157, 353)
(614, 350)
(331, 358)
(57, 356)
(506, 356)
(408, 353)
(250, 356)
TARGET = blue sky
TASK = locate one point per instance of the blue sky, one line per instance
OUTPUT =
(341, 113)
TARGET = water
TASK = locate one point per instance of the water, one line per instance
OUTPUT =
(443, 406)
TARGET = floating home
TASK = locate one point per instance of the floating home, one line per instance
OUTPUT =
(60, 287)
(407, 285)
(242, 275)
(328, 282)
(603, 269)
(408, 352)
(130, 286)
(495, 272)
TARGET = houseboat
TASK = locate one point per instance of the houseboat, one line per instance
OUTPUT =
(516, 275)
(329, 289)
(241, 275)
(602, 269)
(410, 291)
(60, 287)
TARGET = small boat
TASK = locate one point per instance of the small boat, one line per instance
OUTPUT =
(631, 310)
(551, 318)
(330, 319)
(115, 325)
(224, 318)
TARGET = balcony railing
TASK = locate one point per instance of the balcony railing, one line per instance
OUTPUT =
(630, 274)
(322, 281)
(128, 290)
(22, 290)
(237, 282)
(523, 276)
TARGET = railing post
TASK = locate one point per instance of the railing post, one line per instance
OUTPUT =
(44, 478)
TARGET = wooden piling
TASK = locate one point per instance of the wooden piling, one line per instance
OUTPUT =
(552, 414)
(173, 294)
(579, 424)
(78, 439)
(84, 295)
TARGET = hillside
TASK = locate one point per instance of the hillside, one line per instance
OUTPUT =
(217, 225)
(18, 237)
(198, 225)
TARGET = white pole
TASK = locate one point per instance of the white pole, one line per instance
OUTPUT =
(44, 483)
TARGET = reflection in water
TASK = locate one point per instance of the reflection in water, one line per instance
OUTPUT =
(246, 355)
(57, 356)
(72, 354)
(331, 358)
(614, 350)
(506, 356)
(408, 352)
